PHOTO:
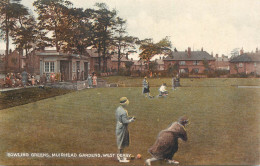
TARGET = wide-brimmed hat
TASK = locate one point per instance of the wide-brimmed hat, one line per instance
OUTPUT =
(124, 101)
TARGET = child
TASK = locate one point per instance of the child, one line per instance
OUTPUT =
(162, 90)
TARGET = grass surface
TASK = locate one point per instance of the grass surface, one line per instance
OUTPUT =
(186, 82)
(224, 127)
(28, 95)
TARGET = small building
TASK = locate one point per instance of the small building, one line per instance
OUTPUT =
(248, 63)
(222, 62)
(69, 66)
(190, 61)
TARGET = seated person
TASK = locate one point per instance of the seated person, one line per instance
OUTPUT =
(162, 90)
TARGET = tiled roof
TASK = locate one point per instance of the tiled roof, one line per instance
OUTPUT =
(138, 62)
(115, 58)
(247, 57)
(195, 55)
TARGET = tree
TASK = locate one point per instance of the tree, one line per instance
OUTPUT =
(104, 20)
(24, 34)
(153, 66)
(9, 12)
(123, 43)
(52, 16)
(150, 49)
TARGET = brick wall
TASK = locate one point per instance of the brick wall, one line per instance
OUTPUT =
(190, 65)
(245, 67)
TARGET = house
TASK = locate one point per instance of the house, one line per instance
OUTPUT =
(114, 61)
(190, 61)
(138, 65)
(222, 62)
(160, 64)
(246, 63)
(94, 60)
(69, 66)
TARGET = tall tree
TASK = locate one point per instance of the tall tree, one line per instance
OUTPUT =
(24, 34)
(52, 18)
(121, 41)
(10, 11)
(149, 49)
(104, 20)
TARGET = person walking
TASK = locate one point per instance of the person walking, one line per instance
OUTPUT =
(166, 144)
(122, 133)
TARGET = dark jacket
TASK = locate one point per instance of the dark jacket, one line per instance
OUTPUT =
(167, 142)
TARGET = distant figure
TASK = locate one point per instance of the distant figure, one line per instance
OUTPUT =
(166, 144)
(24, 78)
(33, 80)
(94, 79)
(90, 81)
(122, 133)
(146, 87)
(162, 90)
(177, 83)
(173, 82)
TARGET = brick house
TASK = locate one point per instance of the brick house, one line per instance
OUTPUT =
(114, 61)
(94, 60)
(190, 61)
(138, 65)
(246, 63)
(222, 62)
(69, 66)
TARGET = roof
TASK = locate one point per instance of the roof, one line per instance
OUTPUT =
(93, 52)
(195, 55)
(115, 58)
(247, 57)
(138, 62)
(55, 53)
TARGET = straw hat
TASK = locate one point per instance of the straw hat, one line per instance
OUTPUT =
(124, 101)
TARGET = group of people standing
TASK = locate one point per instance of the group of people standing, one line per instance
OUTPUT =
(20, 79)
(92, 80)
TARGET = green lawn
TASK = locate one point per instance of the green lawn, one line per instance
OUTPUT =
(224, 125)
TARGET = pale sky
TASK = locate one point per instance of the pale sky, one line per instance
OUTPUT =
(218, 26)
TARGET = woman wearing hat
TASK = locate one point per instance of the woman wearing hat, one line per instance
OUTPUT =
(122, 133)
(166, 144)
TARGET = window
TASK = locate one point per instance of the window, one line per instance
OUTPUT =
(182, 62)
(78, 66)
(49, 67)
(240, 64)
(255, 64)
(196, 63)
(73, 67)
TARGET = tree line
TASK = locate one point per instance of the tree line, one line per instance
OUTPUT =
(72, 30)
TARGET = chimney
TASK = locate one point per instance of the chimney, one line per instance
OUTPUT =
(132, 59)
(216, 55)
(241, 51)
(256, 50)
(160, 57)
(126, 55)
(189, 52)
(202, 49)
